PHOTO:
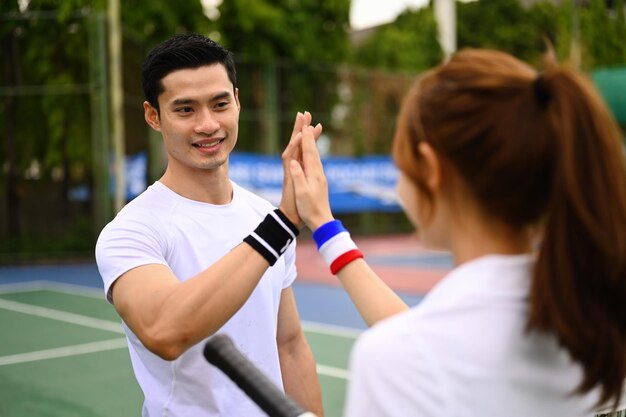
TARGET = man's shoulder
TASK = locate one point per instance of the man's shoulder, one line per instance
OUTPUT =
(148, 207)
(144, 221)
(253, 199)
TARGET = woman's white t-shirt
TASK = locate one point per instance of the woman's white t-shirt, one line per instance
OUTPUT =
(464, 351)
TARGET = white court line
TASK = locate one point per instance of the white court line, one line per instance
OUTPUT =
(73, 289)
(49, 313)
(333, 372)
(59, 287)
(94, 323)
(15, 287)
(309, 326)
(65, 351)
(331, 329)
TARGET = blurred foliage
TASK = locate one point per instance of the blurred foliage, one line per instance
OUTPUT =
(61, 133)
(603, 34)
(498, 24)
(395, 52)
(301, 31)
(294, 55)
(289, 48)
(150, 22)
(409, 44)
(388, 58)
(523, 32)
(45, 123)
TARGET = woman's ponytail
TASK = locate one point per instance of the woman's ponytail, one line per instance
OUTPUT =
(538, 151)
(579, 286)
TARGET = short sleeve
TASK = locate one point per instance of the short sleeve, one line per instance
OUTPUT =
(290, 265)
(392, 376)
(125, 244)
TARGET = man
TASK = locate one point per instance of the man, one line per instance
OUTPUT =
(174, 263)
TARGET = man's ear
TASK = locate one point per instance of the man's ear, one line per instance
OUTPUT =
(152, 116)
(432, 166)
(237, 98)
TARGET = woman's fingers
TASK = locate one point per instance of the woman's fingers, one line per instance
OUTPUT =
(307, 119)
(317, 131)
(293, 150)
(309, 184)
(310, 155)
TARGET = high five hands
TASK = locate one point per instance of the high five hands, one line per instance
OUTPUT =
(293, 151)
(305, 189)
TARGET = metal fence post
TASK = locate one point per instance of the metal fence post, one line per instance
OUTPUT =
(99, 122)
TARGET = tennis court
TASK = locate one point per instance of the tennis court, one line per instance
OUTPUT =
(63, 351)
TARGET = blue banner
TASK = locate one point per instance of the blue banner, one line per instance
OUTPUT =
(135, 171)
(354, 184)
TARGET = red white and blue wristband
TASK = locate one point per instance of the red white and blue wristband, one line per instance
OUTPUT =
(335, 245)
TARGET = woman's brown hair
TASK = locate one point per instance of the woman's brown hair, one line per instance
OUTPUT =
(538, 149)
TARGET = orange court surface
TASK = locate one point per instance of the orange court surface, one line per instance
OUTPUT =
(400, 260)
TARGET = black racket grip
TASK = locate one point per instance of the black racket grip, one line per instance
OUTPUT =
(221, 352)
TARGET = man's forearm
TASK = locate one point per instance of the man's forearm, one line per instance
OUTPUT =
(300, 375)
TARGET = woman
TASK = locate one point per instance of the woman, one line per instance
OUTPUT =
(521, 176)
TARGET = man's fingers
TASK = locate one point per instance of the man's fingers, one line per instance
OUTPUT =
(302, 120)
(293, 147)
(297, 175)
(297, 125)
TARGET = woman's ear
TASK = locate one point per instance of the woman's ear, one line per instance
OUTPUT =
(432, 166)
(152, 116)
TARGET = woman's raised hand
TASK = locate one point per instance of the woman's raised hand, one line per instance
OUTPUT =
(293, 151)
(309, 182)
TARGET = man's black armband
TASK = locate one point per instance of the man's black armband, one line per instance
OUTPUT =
(273, 236)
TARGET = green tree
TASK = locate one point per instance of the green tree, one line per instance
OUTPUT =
(384, 65)
(286, 48)
(408, 44)
(503, 25)
(598, 31)
(45, 108)
(304, 31)
(149, 22)
(64, 62)
(41, 135)
(603, 34)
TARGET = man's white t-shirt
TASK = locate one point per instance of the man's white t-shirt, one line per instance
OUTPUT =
(464, 351)
(162, 227)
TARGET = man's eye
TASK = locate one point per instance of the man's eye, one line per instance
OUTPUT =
(222, 104)
(184, 110)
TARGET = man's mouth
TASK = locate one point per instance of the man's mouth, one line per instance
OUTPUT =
(207, 145)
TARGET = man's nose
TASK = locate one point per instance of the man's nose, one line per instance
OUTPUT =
(206, 122)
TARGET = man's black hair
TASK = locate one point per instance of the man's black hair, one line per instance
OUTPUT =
(189, 50)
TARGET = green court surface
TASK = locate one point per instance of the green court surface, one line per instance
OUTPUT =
(63, 354)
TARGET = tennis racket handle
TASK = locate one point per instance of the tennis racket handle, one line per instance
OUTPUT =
(221, 352)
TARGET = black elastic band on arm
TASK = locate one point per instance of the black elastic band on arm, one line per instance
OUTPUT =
(272, 236)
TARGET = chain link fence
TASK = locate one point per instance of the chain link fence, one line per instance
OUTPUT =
(55, 181)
